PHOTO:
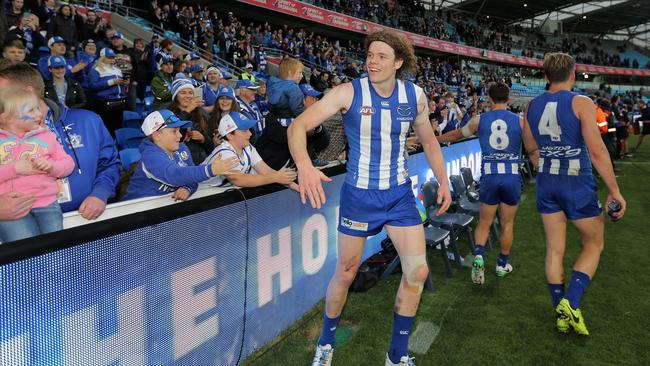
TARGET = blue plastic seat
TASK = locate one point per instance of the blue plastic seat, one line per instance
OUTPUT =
(128, 138)
(129, 156)
(132, 119)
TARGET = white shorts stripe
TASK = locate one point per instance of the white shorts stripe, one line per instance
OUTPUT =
(515, 168)
(501, 168)
(541, 165)
(487, 168)
(555, 167)
(574, 167)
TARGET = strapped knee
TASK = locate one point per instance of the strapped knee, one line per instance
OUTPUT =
(415, 270)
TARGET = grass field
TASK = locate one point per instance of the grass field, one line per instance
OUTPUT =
(508, 321)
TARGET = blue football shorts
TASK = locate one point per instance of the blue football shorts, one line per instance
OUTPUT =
(497, 188)
(364, 212)
(576, 196)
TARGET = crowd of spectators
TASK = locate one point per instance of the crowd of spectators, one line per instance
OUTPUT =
(81, 65)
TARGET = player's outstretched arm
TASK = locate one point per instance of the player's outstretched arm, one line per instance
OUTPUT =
(466, 131)
(310, 178)
(432, 151)
(598, 153)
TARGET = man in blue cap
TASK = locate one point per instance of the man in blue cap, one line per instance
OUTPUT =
(193, 58)
(61, 89)
(196, 75)
(57, 47)
(246, 99)
(166, 165)
(161, 84)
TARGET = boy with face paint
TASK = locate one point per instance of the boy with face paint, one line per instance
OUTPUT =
(33, 161)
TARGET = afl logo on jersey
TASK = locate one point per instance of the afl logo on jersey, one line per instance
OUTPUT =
(366, 111)
(404, 110)
(184, 155)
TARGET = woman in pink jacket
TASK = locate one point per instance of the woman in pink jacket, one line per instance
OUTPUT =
(31, 161)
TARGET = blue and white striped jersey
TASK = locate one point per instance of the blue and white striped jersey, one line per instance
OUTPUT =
(376, 129)
(499, 134)
(558, 133)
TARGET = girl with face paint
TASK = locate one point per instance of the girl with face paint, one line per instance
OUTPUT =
(31, 161)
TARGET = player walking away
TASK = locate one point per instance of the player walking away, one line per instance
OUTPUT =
(499, 133)
(563, 125)
(378, 112)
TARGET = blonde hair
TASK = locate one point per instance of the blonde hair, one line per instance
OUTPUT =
(289, 65)
(12, 100)
(558, 66)
(101, 65)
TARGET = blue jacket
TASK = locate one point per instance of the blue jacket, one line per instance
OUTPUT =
(83, 75)
(158, 174)
(97, 168)
(285, 97)
(98, 84)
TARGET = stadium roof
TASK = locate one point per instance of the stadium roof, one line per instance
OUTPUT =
(615, 19)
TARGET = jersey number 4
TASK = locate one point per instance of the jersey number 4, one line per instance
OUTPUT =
(548, 123)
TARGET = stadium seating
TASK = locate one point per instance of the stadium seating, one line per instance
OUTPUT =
(128, 138)
(129, 156)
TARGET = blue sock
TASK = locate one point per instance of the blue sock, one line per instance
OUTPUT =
(557, 293)
(329, 328)
(503, 260)
(577, 287)
(479, 250)
(399, 343)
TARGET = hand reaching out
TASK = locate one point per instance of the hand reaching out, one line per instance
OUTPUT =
(224, 167)
(285, 176)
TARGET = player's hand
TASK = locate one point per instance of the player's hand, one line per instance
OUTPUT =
(444, 199)
(309, 181)
(618, 197)
(92, 207)
(285, 176)
(43, 164)
(181, 194)
(224, 167)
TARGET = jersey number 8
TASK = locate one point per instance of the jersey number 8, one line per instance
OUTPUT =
(499, 138)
